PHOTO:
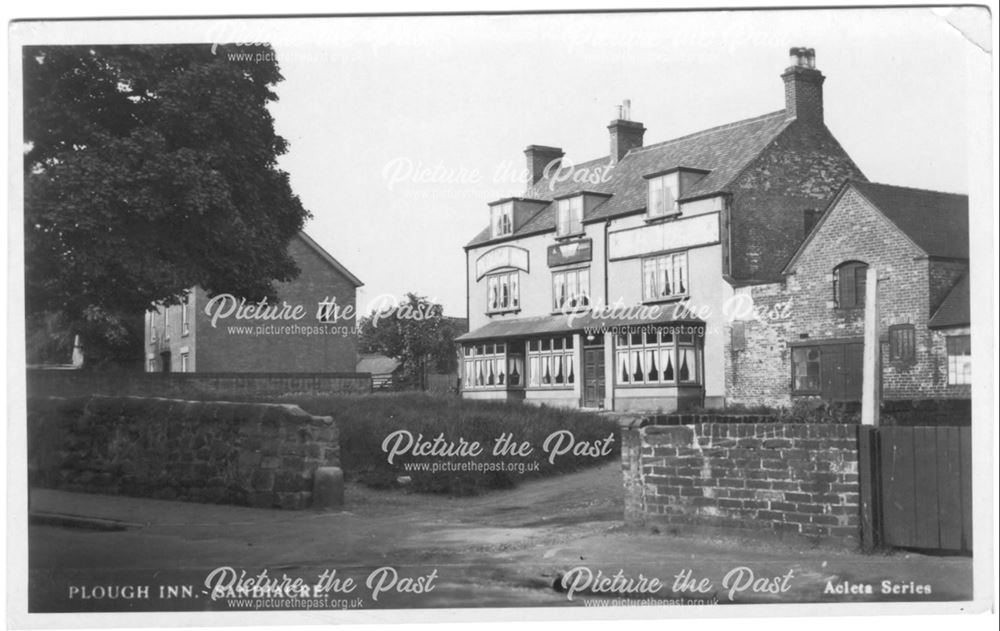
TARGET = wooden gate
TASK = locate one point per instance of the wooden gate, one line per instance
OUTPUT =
(916, 487)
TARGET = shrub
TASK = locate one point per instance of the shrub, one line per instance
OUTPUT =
(801, 411)
(365, 422)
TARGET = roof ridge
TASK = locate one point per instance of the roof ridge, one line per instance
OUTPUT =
(907, 188)
(710, 130)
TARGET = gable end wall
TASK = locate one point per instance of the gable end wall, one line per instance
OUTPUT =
(802, 169)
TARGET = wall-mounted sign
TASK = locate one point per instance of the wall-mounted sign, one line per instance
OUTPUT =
(571, 252)
(503, 256)
(659, 237)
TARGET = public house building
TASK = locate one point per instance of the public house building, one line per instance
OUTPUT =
(661, 236)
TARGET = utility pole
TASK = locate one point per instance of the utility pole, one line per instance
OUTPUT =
(870, 378)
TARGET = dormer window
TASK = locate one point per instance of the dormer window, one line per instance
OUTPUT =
(665, 188)
(662, 200)
(570, 219)
(502, 220)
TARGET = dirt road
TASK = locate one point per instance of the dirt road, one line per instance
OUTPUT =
(500, 549)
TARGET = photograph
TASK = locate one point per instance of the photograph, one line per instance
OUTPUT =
(545, 315)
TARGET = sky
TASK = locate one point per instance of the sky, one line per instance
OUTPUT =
(403, 129)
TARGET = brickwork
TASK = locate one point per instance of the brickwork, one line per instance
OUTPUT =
(221, 351)
(909, 285)
(801, 170)
(220, 348)
(226, 453)
(759, 373)
(779, 479)
(237, 386)
(857, 231)
(804, 94)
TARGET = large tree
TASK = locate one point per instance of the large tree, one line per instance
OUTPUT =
(148, 170)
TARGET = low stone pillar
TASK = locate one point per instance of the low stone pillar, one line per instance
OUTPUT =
(328, 488)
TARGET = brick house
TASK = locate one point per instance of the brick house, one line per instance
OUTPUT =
(918, 241)
(321, 337)
(644, 247)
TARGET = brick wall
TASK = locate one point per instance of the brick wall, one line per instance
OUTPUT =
(238, 386)
(802, 169)
(779, 479)
(759, 372)
(220, 349)
(909, 285)
(261, 455)
(856, 231)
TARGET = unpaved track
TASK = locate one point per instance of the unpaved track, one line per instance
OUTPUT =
(502, 548)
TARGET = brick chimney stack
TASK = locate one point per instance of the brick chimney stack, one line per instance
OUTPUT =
(626, 134)
(803, 86)
(539, 157)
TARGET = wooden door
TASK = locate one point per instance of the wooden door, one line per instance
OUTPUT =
(593, 377)
(841, 367)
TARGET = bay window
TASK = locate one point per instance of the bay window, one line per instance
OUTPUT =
(664, 277)
(658, 355)
(485, 366)
(502, 292)
(570, 289)
(550, 362)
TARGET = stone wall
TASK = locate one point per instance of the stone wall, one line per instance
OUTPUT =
(781, 479)
(238, 386)
(250, 454)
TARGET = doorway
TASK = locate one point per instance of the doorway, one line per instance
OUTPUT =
(593, 373)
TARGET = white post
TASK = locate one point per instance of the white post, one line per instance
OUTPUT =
(870, 379)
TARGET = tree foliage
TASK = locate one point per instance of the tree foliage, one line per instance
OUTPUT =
(415, 332)
(148, 170)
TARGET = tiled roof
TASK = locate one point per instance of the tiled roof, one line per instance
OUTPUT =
(377, 364)
(937, 222)
(955, 310)
(723, 151)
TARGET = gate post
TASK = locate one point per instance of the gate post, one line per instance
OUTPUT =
(868, 479)
(871, 373)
